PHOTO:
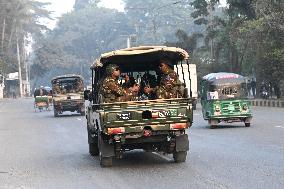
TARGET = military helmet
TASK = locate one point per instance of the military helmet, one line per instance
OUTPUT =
(110, 68)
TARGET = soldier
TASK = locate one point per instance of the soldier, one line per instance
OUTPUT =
(56, 88)
(132, 92)
(110, 88)
(170, 85)
(79, 86)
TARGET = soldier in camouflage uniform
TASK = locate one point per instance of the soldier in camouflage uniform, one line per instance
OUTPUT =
(110, 88)
(170, 85)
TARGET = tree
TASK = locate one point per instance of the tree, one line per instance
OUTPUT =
(79, 38)
(156, 21)
(20, 20)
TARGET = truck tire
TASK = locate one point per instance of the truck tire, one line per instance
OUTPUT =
(93, 149)
(55, 113)
(194, 106)
(105, 161)
(179, 156)
(93, 144)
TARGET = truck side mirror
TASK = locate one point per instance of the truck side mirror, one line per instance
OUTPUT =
(87, 94)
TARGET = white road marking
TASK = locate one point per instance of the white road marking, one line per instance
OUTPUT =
(79, 119)
(279, 126)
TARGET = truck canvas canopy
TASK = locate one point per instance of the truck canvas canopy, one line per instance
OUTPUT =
(141, 56)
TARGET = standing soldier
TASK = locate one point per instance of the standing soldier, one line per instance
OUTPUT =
(110, 88)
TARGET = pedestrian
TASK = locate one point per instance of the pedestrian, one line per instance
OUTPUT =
(253, 87)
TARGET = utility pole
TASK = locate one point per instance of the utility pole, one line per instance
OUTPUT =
(19, 65)
(27, 86)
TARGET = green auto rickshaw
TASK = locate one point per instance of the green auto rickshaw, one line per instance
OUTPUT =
(224, 99)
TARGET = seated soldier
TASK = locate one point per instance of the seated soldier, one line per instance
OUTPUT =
(56, 88)
(110, 89)
(170, 85)
(132, 92)
(79, 86)
(129, 81)
(148, 83)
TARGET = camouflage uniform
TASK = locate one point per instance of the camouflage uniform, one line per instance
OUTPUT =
(111, 90)
(170, 86)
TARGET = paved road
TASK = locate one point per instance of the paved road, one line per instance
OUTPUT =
(40, 151)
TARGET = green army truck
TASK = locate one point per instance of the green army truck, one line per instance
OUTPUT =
(157, 125)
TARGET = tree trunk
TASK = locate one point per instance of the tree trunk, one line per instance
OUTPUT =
(11, 34)
(3, 34)
(19, 64)
(234, 60)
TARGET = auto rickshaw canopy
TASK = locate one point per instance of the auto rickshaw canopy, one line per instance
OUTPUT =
(224, 78)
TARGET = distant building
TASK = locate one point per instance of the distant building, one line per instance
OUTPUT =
(12, 88)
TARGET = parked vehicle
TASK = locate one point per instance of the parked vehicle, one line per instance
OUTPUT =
(151, 125)
(68, 94)
(224, 98)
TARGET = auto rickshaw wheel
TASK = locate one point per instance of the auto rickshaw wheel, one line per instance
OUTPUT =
(247, 124)
(179, 156)
(213, 123)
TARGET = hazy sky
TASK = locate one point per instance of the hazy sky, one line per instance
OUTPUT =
(60, 7)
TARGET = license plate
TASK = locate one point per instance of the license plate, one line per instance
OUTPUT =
(167, 113)
(231, 107)
(124, 116)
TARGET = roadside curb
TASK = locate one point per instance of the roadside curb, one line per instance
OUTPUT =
(267, 103)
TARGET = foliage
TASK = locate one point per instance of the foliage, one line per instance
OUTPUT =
(19, 19)
(247, 39)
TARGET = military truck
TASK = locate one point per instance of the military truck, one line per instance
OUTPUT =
(68, 94)
(156, 125)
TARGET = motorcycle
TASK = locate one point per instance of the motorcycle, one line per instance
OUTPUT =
(264, 93)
